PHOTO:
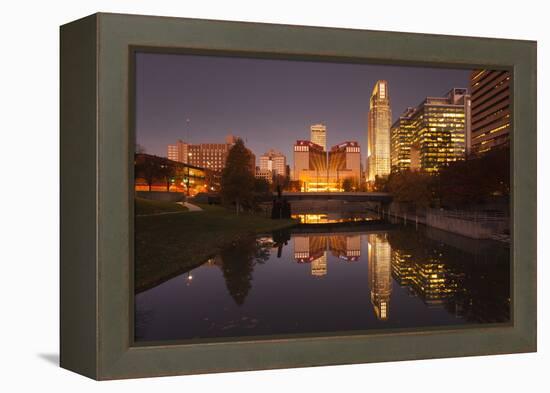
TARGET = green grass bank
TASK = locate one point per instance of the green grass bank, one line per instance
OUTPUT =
(167, 245)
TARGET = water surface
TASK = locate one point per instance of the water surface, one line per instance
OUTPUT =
(291, 283)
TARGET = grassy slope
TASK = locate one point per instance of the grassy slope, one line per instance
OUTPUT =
(171, 244)
(146, 206)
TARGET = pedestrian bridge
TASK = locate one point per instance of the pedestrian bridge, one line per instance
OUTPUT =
(382, 197)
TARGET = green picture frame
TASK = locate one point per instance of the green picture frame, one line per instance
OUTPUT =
(96, 143)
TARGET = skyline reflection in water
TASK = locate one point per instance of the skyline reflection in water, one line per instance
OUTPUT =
(314, 282)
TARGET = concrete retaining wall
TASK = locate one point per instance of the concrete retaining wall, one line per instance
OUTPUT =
(477, 229)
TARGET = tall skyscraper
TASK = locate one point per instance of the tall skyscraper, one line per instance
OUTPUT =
(491, 122)
(378, 138)
(319, 135)
(432, 134)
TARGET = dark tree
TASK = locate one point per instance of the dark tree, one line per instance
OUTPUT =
(237, 183)
(412, 187)
(475, 180)
(261, 186)
(350, 184)
(167, 172)
(148, 168)
(381, 183)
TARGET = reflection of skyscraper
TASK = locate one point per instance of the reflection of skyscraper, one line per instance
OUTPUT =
(403, 267)
(378, 140)
(314, 249)
(379, 258)
(427, 274)
(346, 247)
(434, 281)
(319, 135)
(309, 248)
(319, 266)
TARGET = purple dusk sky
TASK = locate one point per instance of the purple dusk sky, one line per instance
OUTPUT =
(269, 103)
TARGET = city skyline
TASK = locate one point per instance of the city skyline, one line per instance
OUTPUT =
(268, 103)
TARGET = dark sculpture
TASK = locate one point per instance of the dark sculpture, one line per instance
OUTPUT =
(281, 207)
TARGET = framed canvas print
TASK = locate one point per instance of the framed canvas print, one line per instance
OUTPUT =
(240, 196)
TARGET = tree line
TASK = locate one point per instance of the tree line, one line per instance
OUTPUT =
(468, 182)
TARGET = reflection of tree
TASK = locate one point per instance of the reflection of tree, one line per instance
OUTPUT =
(280, 239)
(238, 260)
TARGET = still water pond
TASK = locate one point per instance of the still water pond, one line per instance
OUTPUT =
(348, 279)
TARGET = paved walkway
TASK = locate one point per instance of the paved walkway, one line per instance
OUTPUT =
(191, 207)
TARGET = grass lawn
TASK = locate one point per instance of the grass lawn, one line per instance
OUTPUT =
(146, 206)
(171, 244)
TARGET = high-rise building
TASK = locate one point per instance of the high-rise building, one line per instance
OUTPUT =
(205, 155)
(402, 132)
(179, 152)
(379, 260)
(491, 122)
(319, 135)
(264, 175)
(317, 173)
(433, 134)
(310, 165)
(344, 162)
(442, 127)
(378, 138)
(274, 162)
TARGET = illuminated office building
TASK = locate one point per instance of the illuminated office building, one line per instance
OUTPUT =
(310, 166)
(491, 122)
(211, 156)
(179, 152)
(402, 133)
(433, 134)
(273, 162)
(379, 260)
(317, 173)
(183, 177)
(344, 162)
(319, 135)
(264, 175)
(378, 138)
